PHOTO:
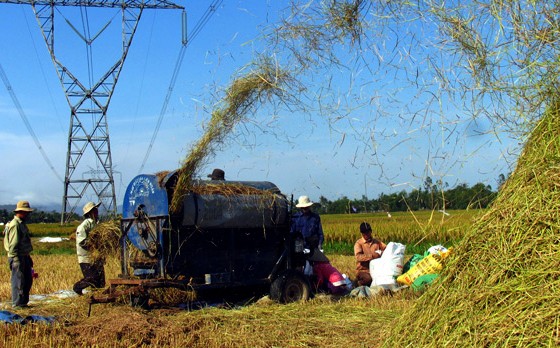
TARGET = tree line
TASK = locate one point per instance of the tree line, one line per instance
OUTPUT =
(432, 196)
(38, 216)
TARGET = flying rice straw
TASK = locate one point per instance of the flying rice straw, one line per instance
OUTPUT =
(258, 86)
(245, 93)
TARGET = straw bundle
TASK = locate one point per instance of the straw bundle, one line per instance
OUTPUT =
(171, 296)
(243, 94)
(502, 286)
(228, 189)
(104, 239)
(161, 176)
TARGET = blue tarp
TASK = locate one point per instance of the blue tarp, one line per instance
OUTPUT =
(9, 317)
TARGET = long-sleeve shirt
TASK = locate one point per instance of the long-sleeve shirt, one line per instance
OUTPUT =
(309, 225)
(82, 238)
(367, 251)
(17, 240)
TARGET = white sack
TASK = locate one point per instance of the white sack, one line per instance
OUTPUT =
(389, 266)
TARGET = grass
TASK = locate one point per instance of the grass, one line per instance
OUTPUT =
(320, 322)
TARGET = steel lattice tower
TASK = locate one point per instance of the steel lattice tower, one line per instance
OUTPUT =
(89, 101)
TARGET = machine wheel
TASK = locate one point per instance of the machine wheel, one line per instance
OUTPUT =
(290, 286)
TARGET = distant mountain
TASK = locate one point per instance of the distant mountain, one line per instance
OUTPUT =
(42, 207)
(48, 207)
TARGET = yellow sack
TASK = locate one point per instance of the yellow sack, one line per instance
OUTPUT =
(428, 265)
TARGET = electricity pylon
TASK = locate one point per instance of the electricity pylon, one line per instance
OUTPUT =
(89, 100)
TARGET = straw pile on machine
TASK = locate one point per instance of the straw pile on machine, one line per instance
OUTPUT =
(258, 86)
(227, 189)
(501, 286)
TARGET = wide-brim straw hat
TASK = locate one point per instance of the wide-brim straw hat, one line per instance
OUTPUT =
(23, 206)
(89, 206)
(304, 202)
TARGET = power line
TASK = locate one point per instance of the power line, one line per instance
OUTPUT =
(210, 11)
(26, 121)
(165, 103)
(43, 73)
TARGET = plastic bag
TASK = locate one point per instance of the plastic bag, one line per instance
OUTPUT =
(437, 249)
(420, 283)
(385, 269)
(414, 259)
(428, 265)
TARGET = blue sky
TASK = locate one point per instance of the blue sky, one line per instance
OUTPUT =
(373, 149)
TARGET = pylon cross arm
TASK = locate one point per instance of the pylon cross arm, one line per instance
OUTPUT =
(145, 4)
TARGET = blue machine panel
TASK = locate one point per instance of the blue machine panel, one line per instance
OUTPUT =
(145, 191)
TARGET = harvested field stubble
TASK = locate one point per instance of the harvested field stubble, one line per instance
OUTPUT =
(56, 272)
(320, 322)
(317, 323)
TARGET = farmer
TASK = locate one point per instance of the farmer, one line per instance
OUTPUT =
(366, 249)
(17, 243)
(308, 224)
(93, 271)
(217, 174)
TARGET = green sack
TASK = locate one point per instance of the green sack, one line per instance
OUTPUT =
(421, 282)
(411, 262)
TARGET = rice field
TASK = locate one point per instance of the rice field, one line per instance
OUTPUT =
(417, 230)
(320, 322)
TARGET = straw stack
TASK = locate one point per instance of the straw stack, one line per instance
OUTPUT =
(501, 286)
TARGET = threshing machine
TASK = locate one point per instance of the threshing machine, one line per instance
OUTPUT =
(227, 235)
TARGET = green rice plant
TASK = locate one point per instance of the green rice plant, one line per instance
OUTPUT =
(65, 247)
(53, 229)
(417, 230)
